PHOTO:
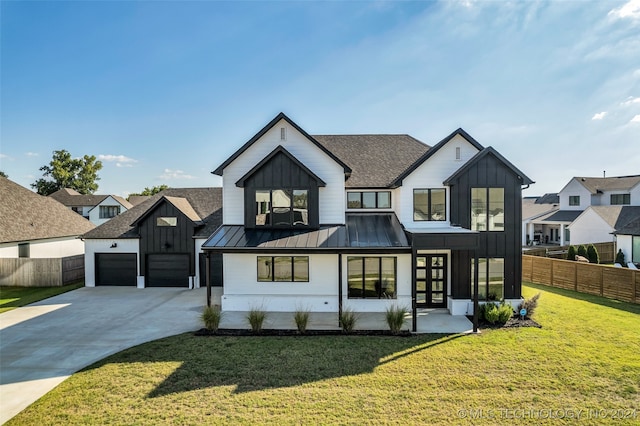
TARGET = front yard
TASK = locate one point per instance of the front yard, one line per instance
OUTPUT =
(14, 297)
(582, 367)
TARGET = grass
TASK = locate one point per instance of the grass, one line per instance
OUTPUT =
(14, 297)
(584, 358)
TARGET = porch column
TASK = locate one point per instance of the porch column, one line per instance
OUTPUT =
(207, 276)
(562, 241)
(414, 309)
(531, 231)
(340, 289)
(476, 306)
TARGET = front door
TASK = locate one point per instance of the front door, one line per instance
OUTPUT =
(431, 280)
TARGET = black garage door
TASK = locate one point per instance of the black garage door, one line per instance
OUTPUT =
(167, 270)
(116, 269)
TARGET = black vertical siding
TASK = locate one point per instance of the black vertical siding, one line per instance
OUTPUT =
(179, 238)
(281, 173)
(489, 172)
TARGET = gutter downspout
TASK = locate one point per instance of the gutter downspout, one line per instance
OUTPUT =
(208, 277)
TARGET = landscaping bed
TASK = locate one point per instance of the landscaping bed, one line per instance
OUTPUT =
(277, 332)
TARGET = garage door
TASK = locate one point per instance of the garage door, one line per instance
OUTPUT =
(167, 270)
(116, 269)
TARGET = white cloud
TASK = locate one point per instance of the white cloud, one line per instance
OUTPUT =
(630, 9)
(3, 155)
(599, 116)
(32, 154)
(175, 174)
(635, 119)
(631, 100)
(120, 160)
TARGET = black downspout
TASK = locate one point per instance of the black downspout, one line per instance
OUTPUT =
(207, 276)
(414, 309)
(339, 289)
(475, 290)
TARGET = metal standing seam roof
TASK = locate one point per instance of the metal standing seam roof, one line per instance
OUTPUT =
(361, 232)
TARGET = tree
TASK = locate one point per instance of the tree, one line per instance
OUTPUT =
(3, 174)
(150, 191)
(571, 253)
(63, 171)
(582, 251)
(592, 254)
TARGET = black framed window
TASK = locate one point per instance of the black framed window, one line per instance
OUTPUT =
(371, 277)
(283, 268)
(369, 200)
(487, 209)
(574, 200)
(620, 199)
(24, 250)
(429, 204)
(167, 221)
(107, 212)
(282, 207)
(490, 278)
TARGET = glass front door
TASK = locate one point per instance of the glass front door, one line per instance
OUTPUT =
(431, 281)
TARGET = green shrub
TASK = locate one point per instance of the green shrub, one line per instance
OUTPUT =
(530, 305)
(211, 317)
(348, 320)
(571, 253)
(301, 317)
(482, 311)
(395, 317)
(491, 314)
(505, 312)
(256, 318)
(582, 251)
(592, 254)
(620, 258)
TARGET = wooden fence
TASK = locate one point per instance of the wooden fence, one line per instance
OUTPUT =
(606, 251)
(602, 280)
(47, 272)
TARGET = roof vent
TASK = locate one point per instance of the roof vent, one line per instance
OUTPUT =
(283, 133)
(457, 152)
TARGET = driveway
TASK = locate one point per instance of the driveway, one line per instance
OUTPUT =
(44, 343)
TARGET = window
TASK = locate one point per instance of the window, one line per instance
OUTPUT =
(282, 207)
(490, 278)
(487, 209)
(371, 277)
(369, 200)
(429, 204)
(457, 153)
(167, 221)
(635, 249)
(283, 268)
(620, 199)
(24, 250)
(574, 200)
(107, 212)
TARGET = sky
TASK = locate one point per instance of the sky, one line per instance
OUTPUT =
(162, 92)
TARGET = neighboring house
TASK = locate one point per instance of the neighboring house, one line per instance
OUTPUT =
(628, 240)
(33, 226)
(535, 208)
(157, 242)
(582, 216)
(97, 208)
(365, 222)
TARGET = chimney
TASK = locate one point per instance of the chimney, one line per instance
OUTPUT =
(604, 173)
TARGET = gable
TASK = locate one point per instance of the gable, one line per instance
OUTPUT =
(489, 159)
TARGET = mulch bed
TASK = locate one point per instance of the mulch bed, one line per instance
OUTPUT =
(273, 332)
(514, 322)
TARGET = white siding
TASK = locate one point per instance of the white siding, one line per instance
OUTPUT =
(332, 198)
(94, 213)
(43, 249)
(431, 174)
(625, 243)
(9, 250)
(589, 227)
(574, 188)
(104, 246)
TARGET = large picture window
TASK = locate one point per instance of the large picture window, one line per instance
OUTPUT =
(371, 277)
(107, 212)
(282, 207)
(620, 199)
(490, 278)
(487, 209)
(429, 204)
(369, 200)
(283, 268)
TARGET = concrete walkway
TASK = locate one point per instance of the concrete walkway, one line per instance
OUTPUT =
(44, 343)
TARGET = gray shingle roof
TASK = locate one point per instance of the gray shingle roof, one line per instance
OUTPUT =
(631, 228)
(72, 198)
(376, 161)
(206, 203)
(617, 216)
(563, 216)
(25, 215)
(621, 183)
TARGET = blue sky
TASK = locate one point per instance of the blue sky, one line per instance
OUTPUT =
(164, 91)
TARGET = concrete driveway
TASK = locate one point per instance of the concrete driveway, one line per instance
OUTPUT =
(44, 343)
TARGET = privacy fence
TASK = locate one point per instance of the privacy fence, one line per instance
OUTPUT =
(49, 272)
(606, 251)
(602, 280)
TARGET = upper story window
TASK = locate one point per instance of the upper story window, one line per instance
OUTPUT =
(487, 209)
(620, 199)
(369, 200)
(107, 212)
(282, 207)
(167, 221)
(429, 204)
(574, 200)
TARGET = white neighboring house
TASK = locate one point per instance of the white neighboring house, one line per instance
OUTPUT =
(628, 240)
(534, 208)
(590, 209)
(97, 208)
(33, 226)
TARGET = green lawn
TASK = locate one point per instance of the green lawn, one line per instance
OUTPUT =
(584, 362)
(13, 297)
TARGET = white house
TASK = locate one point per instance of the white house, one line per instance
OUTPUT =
(628, 240)
(97, 208)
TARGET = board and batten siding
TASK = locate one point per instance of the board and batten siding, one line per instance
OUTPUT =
(431, 174)
(104, 246)
(331, 197)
